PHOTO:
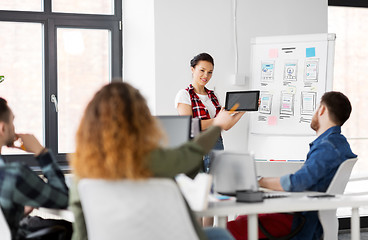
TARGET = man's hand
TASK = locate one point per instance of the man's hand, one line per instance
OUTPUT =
(272, 183)
(29, 143)
(27, 210)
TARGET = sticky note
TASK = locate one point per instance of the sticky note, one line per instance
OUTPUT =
(272, 120)
(310, 52)
(222, 197)
(273, 53)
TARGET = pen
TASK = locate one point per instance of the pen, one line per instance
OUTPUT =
(232, 110)
(23, 147)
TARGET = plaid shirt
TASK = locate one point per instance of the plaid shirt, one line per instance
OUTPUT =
(198, 109)
(20, 186)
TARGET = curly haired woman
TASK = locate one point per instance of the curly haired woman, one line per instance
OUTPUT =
(118, 138)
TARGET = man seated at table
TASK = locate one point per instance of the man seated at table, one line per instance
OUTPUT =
(326, 153)
(21, 189)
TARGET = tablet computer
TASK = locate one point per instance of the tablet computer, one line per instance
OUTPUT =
(248, 100)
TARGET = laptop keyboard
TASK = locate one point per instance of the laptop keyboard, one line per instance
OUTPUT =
(275, 194)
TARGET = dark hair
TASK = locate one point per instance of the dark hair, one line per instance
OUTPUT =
(4, 110)
(338, 106)
(201, 57)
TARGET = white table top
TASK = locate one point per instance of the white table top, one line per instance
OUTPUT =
(296, 202)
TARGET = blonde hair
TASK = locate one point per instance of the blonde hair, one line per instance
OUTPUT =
(115, 135)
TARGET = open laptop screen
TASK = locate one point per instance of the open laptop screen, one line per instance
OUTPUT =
(232, 172)
(177, 129)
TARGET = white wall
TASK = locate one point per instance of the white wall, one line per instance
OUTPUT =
(139, 47)
(181, 29)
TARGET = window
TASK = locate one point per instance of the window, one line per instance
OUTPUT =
(21, 64)
(54, 56)
(89, 49)
(83, 6)
(29, 5)
(350, 74)
(347, 19)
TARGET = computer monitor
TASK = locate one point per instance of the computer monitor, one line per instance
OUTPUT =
(177, 129)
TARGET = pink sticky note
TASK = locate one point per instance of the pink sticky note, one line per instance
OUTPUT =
(272, 120)
(285, 105)
(273, 53)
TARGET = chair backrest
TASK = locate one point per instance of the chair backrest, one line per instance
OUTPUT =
(5, 233)
(328, 218)
(125, 209)
(341, 178)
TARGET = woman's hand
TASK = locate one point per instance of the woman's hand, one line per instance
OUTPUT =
(222, 119)
(226, 119)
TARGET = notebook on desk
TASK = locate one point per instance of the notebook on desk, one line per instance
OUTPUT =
(236, 172)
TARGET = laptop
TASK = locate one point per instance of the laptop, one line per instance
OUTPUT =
(235, 172)
(177, 128)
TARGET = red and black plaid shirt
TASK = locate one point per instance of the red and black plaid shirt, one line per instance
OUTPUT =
(198, 109)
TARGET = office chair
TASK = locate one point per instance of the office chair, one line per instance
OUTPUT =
(126, 209)
(328, 218)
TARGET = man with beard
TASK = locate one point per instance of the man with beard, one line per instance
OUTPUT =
(21, 189)
(326, 154)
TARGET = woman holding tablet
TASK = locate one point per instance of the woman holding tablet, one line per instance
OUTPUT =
(200, 102)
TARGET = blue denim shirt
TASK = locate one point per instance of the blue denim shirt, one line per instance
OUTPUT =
(326, 154)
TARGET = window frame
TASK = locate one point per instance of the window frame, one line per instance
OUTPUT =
(348, 3)
(51, 21)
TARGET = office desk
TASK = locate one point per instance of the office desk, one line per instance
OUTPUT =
(297, 202)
